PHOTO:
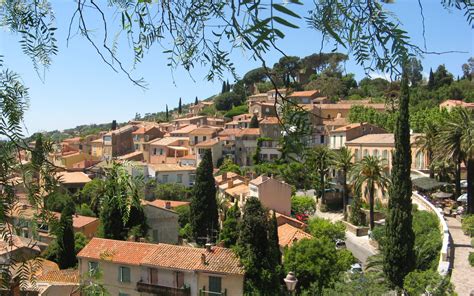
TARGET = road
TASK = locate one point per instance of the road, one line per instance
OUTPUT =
(360, 247)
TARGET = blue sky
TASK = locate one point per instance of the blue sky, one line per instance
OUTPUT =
(80, 89)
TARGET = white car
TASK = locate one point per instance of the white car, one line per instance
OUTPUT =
(356, 268)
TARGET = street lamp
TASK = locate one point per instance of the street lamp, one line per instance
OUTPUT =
(291, 282)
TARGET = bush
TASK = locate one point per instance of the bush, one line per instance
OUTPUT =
(427, 283)
(85, 210)
(237, 110)
(183, 215)
(226, 101)
(186, 232)
(471, 258)
(357, 216)
(428, 240)
(378, 234)
(468, 225)
(320, 227)
(172, 191)
(303, 204)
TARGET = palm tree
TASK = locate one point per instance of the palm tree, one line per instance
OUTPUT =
(370, 172)
(320, 159)
(449, 141)
(427, 143)
(343, 162)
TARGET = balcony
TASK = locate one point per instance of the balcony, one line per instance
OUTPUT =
(162, 290)
(203, 292)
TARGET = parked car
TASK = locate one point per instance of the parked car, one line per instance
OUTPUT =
(340, 244)
(356, 268)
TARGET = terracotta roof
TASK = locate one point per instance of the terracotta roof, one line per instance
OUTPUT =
(258, 96)
(208, 143)
(125, 252)
(170, 167)
(123, 129)
(348, 106)
(306, 93)
(60, 276)
(230, 132)
(98, 141)
(230, 175)
(78, 221)
(205, 130)
(270, 120)
(130, 155)
(288, 235)
(348, 127)
(188, 118)
(168, 141)
(189, 156)
(233, 122)
(73, 177)
(259, 180)
(237, 190)
(290, 220)
(72, 140)
(378, 139)
(15, 243)
(185, 130)
(249, 131)
(161, 203)
(219, 260)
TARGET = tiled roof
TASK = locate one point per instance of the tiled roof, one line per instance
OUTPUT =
(230, 132)
(161, 203)
(335, 122)
(207, 130)
(348, 106)
(17, 242)
(458, 103)
(230, 175)
(185, 130)
(249, 131)
(259, 180)
(169, 167)
(123, 129)
(218, 260)
(284, 219)
(188, 118)
(237, 190)
(60, 276)
(270, 120)
(78, 221)
(208, 143)
(168, 141)
(306, 93)
(287, 235)
(73, 177)
(98, 141)
(376, 139)
(348, 127)
(72, 140)
(130, 155)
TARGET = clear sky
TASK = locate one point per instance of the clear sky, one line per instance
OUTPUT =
(80, 89)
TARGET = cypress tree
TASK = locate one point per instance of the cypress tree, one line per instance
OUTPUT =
(114, 125)
(254, 122)
(167, 113)
(196, 101)
(224, 87)
(230, 228)
(180, 107)
(274, 246)
(399, 256)
(203, 208)
(228, 86)
(253, 248)
(431, 80)
(65, 238)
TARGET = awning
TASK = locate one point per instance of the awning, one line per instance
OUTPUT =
(441, 194)
(178, 148)
(462, 198)
(427, 183)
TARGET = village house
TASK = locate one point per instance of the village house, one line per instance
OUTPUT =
(342, 108)
(142, 136)
(69, 159)
(202, 134)
(216, 147)
(262, 109)
(196, 109)
(246, 146)
(215, 121)
(227, 137)
(271, 132)
(118, 142)
(162, 220)
(303, 97)
(289, 234)
(137, 269)
(183, 131)
(172, 173)
(73, 181)
(97, 148)
(195, 120)
(339, 136)
(168, 149)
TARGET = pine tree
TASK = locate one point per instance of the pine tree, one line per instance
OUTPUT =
(254, 122)
(180, 107)
(65, 238)
(399, 256)
(431, 80)
(230, 228)
(196, 101)
(203, 208)
(253, 248)
(114, 125)
(167, 113)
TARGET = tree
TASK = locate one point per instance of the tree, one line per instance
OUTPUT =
(273, 241)
(343, 162)
(442, 77)
(302, 204)
(167, 115)
(91, 194)
(316, 263)
(431, 80)
(114, 125)
(357, 216)
(65, 238)
(414, 69)
(427, 282)
(254, 251)
(171, 191)
(320, 159)
(320, 227)
(369, 174)
(229, 166)
(427, 142)
(254, 122)
(180, 107)
(223, 90)
(399, 256)
(230, 228)
(204, 216)
(287, 67)
(196, 101)
(226, 101)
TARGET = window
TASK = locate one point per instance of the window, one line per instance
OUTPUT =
(419, 161)
(136, 146)
(267, 110)
(135, 138)
(93, 267)
(321, 139)
(164, 178)
(195, 139)
(180, 178)
(366, 152)
(385, 154)
(192, 177)
(204, 138)
(376, 153)
(154, 151)
(153, 276)
(161, 151)
(179, 279)
(356, 154)
(215, 284)
(340, 140)
(124, 274)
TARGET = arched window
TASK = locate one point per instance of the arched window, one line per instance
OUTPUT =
(376, 153)
(385, 155)
(356, 155)
(420, 160)
(366, 152)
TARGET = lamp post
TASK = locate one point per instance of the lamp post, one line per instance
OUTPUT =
(290, 282)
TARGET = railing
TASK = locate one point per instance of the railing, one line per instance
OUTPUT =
(444, 262)
(162, 290)
(203, 292)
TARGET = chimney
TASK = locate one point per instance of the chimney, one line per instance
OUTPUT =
(209, 247)
(224, 176)
(203, 259)
(168, 205)
(230, 183)
(246, 181)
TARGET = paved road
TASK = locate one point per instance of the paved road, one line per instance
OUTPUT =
(360, 247)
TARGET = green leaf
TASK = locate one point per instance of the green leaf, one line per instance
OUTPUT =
(285, 10)
(285, 22)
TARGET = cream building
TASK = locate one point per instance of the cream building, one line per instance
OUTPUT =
(139, 269)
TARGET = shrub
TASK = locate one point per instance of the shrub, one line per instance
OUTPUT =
(226, 101)
(320, 227)
(428, 240)
(171, 191)
(237, 110)
(183, 215)
(471, 258)
(303, 204)
(468, 225)
(427, 282)
(357, 216)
